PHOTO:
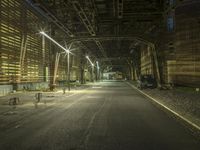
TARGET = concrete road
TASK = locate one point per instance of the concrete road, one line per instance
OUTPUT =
(108, 116)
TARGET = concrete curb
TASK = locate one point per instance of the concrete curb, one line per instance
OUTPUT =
(195, 126)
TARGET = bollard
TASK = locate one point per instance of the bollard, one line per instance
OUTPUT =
(64, 90)
(38, 97)
(14, 101)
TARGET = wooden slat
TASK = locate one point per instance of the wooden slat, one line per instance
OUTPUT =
(12, 25)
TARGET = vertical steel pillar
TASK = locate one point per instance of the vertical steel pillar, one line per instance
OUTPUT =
(44, 59)
(56, 68)
(68, 71)
(155, 57)
(92, 74)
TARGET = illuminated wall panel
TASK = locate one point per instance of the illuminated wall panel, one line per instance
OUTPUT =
(10, 39)
(187, 52)
(146, 60)
(22, 58)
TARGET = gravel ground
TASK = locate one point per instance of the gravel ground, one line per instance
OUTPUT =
(27, 99)
(186, 103)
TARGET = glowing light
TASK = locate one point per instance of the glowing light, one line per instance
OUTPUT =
(47, 36)
(89, 60)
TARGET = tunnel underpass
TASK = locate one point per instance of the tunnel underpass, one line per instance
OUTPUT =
(99, 74)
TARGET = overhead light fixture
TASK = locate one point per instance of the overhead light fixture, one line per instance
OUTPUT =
(47, 36)
(89, 60)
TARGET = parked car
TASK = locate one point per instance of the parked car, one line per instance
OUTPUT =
(146, 81)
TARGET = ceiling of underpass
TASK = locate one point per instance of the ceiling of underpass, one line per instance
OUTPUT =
(108, 28)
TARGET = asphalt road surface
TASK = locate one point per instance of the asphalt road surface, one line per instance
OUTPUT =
(107, 116)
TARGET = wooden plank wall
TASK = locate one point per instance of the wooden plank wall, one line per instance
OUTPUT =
(181, 46)
(187, 52)
(19, 29)
(146, 60)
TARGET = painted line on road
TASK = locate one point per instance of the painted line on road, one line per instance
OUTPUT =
(175, 113)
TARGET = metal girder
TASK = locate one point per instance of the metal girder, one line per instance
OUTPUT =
(173, 6)
(120, 9)
(101, 48)
(112, 59)
(132, 17)
(83, 17)
(155, 56)
(117, 65)
(42, 10)
(107, 38)
(87, 24)
(94, 7)
(129, 15)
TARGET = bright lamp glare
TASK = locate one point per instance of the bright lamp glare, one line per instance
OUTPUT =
(43, 33)
(89, 60)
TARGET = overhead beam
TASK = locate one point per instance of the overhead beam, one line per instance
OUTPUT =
(173, 6)
(101, 48)
(120, 8)
(87, 24)
(112, 59)
(83, 17)
(106, 38)
(40, 8)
